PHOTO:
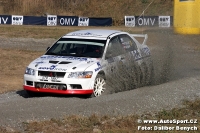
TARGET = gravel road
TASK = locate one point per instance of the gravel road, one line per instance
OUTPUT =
(177, 67)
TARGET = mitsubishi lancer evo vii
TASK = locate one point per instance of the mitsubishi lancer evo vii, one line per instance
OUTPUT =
(80, 62)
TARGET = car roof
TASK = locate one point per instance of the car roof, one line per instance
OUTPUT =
(91, 33)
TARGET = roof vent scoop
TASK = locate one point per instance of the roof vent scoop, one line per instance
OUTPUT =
(53, 62)
(64, 62)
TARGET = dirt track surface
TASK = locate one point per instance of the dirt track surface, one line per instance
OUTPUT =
(177, 67)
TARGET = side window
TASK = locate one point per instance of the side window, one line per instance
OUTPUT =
(114, 48)
(128, 43)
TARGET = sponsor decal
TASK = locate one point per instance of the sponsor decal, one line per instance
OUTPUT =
(136, 54)
(17, 20)
(50, 86)
(164, 21)
(37, 63)
(85, 34)
(130, 21)
(51, 20)
(99, 67)
(53, 67)
(64, 57)
(40, 62)
(146, 51)
(83, 21)
(98, 64)
(3, 20)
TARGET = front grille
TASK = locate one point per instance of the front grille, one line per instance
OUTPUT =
(51, 74)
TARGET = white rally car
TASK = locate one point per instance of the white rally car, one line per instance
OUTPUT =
(80, 61)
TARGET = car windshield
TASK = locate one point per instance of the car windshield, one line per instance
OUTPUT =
(78, 47)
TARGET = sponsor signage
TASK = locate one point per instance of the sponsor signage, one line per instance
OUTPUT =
(164, 21)
(130, 21)
(68, 20)
(17, 20)
(51, 20)
(146, 21)
(5, 19)
(83, 21)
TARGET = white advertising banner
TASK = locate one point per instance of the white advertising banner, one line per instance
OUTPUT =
(17, 20)
(51, 20)
(130, 21)
(164, 21)
(83, 21)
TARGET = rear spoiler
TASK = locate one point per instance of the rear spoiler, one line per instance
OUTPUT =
(141, 35)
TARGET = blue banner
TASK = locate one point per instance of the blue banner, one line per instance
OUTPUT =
(34, 20)
(100, 22)
(5, 19)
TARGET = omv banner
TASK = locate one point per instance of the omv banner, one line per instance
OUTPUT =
(17, 20)
(132, 21)
(5, 19)
(146, 20)
(67, 20)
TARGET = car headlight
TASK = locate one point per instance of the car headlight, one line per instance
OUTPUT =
(30, 71)
(87, 74)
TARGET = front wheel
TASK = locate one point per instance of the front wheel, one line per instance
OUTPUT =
(99, 86)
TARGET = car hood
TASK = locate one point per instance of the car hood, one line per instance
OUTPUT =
(62, 63)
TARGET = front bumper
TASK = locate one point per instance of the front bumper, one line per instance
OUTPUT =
(72, 86)
(34, 89)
